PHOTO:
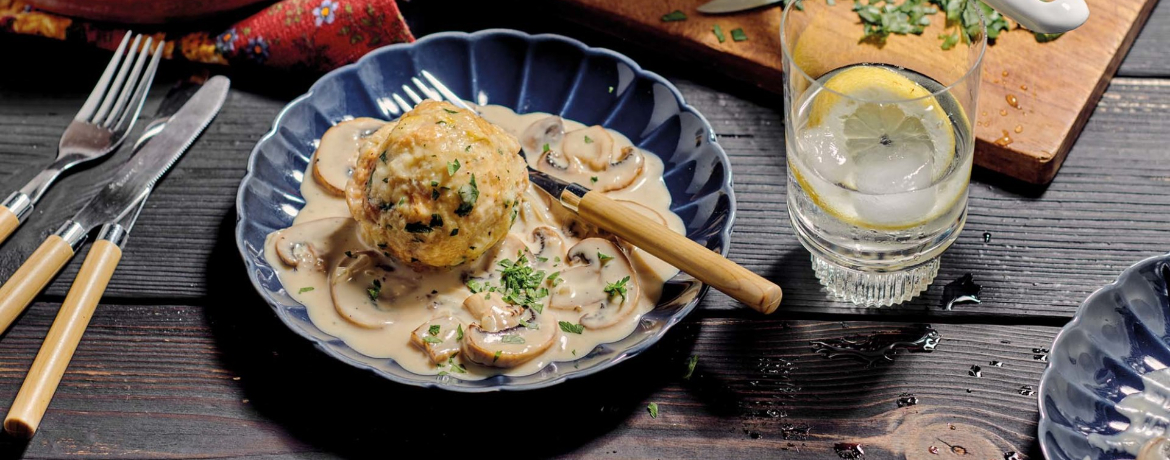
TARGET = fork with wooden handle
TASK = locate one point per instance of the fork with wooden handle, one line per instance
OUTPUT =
(700, 262)
(98, 128)
(115, 208)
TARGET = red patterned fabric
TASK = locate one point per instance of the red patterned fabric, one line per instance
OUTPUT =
(317, 35)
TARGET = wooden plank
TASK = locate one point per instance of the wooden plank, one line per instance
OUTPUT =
(1147, 57)
(1059, 97)
(181, 381)
(1050, 246)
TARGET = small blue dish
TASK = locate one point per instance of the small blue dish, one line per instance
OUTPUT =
(1119, 333)
(541, 73)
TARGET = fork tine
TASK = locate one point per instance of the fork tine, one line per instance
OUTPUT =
(426, 90)
(412, 95)
(401, 102)
(135, 105)
(132, 80)
(99, 90)
(112, 94)
(446, 92)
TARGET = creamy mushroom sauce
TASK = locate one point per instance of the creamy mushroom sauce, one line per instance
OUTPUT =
(1148, 412)
(408, 299)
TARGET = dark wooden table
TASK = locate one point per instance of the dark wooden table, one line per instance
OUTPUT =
(184, 359)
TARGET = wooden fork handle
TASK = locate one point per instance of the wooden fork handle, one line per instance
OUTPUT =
(8, 222)
(704, 264)
(29, 407)
(31, 278)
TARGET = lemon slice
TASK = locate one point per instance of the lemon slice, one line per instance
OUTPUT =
(875, 160)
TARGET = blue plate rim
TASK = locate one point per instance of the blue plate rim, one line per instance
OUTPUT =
(1042, 426)
(724, 233)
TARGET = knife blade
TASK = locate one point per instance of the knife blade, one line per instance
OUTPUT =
(171, 103)
(134, 180)
(733, 6)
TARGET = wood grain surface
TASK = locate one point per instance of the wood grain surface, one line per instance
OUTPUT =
(1055, 94)
(228, 380)
(184, 360)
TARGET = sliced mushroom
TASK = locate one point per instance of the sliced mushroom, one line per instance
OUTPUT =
(364, 284)
(507, 335)
(334, 160)
(552, 246)
(622, 171)
(583, 288)
(306, 246)
(443, 343)
(592, 146)
(508, 248)
(546, 131)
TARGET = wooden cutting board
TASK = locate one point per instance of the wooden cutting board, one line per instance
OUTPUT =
(1057, 84)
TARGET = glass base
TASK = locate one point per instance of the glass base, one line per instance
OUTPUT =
(875, 289)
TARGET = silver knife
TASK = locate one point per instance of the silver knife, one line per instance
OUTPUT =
(115, 207)
(733, 6)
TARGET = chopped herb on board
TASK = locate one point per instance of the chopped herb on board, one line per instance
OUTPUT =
(718, 31)
(738, 35)
(653, 408)
(674, 16)
(306, 289)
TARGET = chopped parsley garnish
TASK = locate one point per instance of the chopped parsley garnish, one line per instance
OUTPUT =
(545, 148)
(738, 35)
(468, 195)
(402, 202)
(349, 254)
(521, 284)
(459, 332)
(588, 140)
(610, 90)
(429, 339)
(450, 111)
(718, 31)
(458, 368)
(574, 352)
(306, 289)
(441, 122)
(603, 257)
(593, 179)
(653, 408)
(617, 288)
(434, 329)
(453, 166)
(571, 328)
(474, 286)
(691, 362)
(436, 220)
(418, 227)
(434, 183)
(528, 325)
(374, 289)
(455, 231)
(554, 279)
(512, 338)
(673, 16)
(467, 149)
(434, 194)
(497, 357)
(382, 157)
(541, 259)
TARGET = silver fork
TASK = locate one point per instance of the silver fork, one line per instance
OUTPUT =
(655, 238)
(98, 128)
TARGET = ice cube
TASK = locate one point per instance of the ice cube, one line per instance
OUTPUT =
(894, 185)
(893, 169)
(821, 152)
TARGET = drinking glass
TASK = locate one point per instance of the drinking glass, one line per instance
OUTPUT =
(879, 146)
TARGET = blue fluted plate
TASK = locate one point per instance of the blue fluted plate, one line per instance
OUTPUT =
(541, 73)
(1119, 333)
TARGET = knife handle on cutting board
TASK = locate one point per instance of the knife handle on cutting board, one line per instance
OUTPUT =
(41, 382)
(28, 281)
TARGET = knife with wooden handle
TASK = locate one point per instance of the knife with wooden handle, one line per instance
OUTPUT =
(116, 208)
